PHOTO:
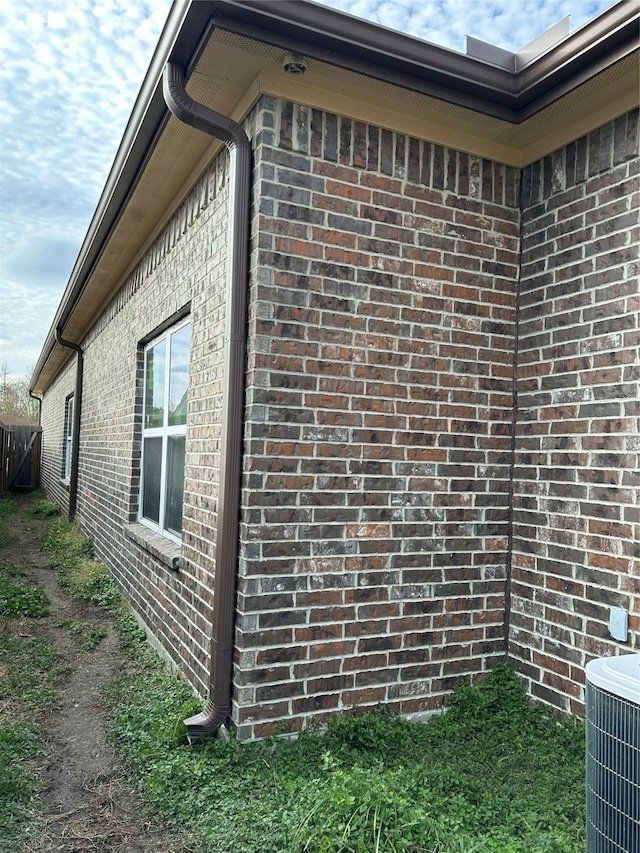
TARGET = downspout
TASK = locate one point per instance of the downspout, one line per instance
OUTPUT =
(38, 398)
(77, 410)
(239, 147)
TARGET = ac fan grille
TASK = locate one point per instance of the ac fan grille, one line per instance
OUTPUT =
(613, 773)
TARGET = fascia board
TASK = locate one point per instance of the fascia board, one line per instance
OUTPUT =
(602, 37)
(148, 112)
(581, 56)
(423, 78)
(374, 50)
(395, 57)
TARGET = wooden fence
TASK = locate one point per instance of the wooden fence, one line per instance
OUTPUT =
(19, 457)
(6, 459)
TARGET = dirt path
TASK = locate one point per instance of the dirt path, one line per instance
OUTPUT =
(87, 804)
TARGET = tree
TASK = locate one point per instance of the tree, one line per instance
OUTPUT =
(14, 395)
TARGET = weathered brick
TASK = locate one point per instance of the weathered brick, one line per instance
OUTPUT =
(376, 486)
(596, 428)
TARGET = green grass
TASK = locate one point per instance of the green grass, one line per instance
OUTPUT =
(16, 598)
(19, 742)
(27, 675)
(44, 508)
(72, 554)
(493, 774)
(90, 634)
(19, 599)
(7, 507)
(26, 664)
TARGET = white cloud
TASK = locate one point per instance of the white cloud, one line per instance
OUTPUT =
(40, 260)
(510, 24)
(22, 334)
(69, 75)
(70, 71)
(56, 20)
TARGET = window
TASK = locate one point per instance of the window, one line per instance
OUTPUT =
(164, 427)
(67, 437)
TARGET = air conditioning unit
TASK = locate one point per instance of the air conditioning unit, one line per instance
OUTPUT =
(613, 755)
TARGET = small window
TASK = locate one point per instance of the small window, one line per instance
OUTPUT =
(67, 438)
(164, 428)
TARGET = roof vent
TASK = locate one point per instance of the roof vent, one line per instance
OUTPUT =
(293, 63)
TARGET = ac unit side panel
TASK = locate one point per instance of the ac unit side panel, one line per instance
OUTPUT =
(613, 764)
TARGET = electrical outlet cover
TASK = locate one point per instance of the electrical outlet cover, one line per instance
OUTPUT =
(619, 624)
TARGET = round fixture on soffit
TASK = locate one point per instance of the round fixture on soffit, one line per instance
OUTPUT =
(293, 63)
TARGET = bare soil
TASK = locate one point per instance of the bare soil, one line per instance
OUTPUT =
(86, 801)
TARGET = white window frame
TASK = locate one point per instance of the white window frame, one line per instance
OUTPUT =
(67, 437)
(163, 432)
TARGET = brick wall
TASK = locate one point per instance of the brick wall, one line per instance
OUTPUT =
(185, 264)
(376, 484)
(52, 420)
(374, 523)
(577, 518)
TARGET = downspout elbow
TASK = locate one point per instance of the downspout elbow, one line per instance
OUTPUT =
(69, 344)
(184, 108)
(38, 398)
(208, 721)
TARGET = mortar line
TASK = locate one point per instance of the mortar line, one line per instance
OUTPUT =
(514, 423)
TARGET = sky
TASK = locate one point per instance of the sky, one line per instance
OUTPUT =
(70, 71)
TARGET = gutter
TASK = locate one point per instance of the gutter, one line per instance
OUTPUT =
(231, 133)
(386, 54)
(77, 411)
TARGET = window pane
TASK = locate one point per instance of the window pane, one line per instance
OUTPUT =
(67, 459)
(69, 418)
(179, 376)
(68, 433)
(175, 484)
(151, 479)
(154, 385)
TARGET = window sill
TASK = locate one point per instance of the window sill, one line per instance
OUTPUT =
(65, 483)
(156, 545)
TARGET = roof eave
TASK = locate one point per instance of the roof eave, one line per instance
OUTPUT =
(395, 57)
(348, 42)
(599, 44)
